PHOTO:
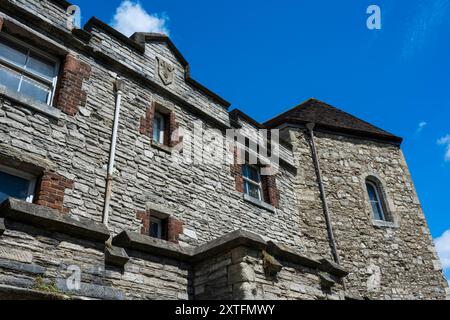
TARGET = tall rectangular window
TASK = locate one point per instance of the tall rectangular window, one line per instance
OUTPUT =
(16, 184)
(159, 128)
(27, 70)
(252, 181)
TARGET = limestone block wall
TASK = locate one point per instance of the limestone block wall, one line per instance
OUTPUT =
(51, 11)
(33, 259)
(239, 275)
(76, 147)
(387, 262)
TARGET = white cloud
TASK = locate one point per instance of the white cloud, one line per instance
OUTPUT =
(443, 248)
(130, 17)
(445, 141)
(421, 126)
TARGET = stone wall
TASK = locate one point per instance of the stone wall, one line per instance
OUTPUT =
(77, 146)
(240, 275)
(46, 255)
(386, 261)
(393, 261)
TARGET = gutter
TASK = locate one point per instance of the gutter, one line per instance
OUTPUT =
(118, 86)
(310, 127)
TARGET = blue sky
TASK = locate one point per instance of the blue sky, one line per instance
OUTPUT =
(267, 56)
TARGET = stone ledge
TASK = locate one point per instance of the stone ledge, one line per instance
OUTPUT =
(161, 147)
(332, 268)
(116, 256)
(52, 220)
(229, 241)
(259, 203)
(30, 103)
(139, 242)
(385, 224)
(136, 241)
(289, 254)
(16, 293)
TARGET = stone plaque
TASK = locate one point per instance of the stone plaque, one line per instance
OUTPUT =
(165, 71)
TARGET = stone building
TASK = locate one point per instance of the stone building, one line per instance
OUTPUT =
(104, 195)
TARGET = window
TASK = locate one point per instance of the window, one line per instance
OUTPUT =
(155, 228)
(375, 201)
(27, 70)
(158, 227)
(252, 181)
(16, 184)
(159, 128)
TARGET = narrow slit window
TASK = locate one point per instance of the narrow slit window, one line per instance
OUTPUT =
(159, 128)
(375, 201)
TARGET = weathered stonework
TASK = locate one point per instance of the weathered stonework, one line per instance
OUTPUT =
(68, 145)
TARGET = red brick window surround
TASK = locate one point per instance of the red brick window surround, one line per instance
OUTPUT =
(270, 192)
(70, 95)
(158, 117)
(171, 228)
(50, 191)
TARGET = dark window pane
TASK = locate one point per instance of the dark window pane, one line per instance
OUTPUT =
(12, 52)
(9, 78)
(254, 174)
(42, 66)
(251, 173)
(12, 186)
(155, 229)
(35, 90)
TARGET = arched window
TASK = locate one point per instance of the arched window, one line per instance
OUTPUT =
(376, 200)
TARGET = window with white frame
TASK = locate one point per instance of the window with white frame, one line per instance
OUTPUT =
(16, 184)
(375, 201)
(159, 128)
(252, 181)
(27, 70)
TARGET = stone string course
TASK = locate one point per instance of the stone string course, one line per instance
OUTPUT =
(384, 262)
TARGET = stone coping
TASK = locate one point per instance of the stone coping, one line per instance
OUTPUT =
(15, 293)
(52, 220)
(259, 203)
(136, 241)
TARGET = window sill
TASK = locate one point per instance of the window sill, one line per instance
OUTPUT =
(38, 106)
(161, 147)
(259, 203)
(385, 224)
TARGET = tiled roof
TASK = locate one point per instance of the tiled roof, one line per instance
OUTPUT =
(327, 117)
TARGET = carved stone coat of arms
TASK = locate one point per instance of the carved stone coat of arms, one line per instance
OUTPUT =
(165, 71)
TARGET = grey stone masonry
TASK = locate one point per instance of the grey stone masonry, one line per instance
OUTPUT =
(221, 242)
(39, 262)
